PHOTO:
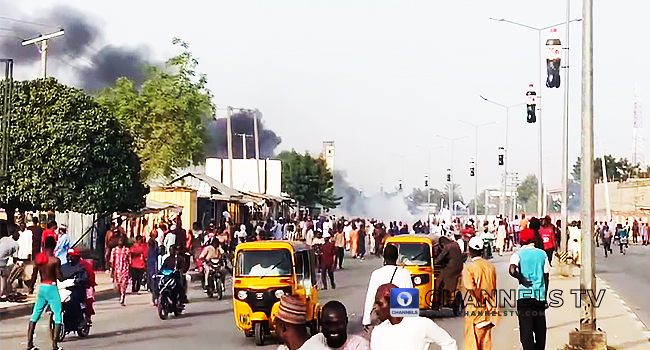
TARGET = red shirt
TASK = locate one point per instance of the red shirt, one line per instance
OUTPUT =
(91, 273)
(138, 255)
(329, 252)
(48, 233)
(548, 237)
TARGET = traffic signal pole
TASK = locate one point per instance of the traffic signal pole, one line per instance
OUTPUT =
(588, 336)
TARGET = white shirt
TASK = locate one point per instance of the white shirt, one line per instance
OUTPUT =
(25, 244)
(461, 244)
(401, 278)
(310, 344)
(413, 333)
(346, 231)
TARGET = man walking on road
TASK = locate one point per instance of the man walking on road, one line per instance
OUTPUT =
(480, 280)
(530, 267)
(405, 333)
(49, 266)
(547, 231)
(328, 261)
(389, 273)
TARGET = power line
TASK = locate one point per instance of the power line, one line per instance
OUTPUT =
(28, 22)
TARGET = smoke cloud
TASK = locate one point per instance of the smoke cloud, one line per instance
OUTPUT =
(94, 68)
(381, 206)
(242, 123)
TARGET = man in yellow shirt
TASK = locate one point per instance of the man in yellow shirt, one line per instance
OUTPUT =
(479, 281)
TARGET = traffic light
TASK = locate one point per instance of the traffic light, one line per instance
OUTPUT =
(501, 156)
(553, 59)
(471, 168)
(448, 175)
(531, 103)
(400, 185)
(426, 180)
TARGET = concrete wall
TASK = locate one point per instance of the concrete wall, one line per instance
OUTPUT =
(245, 174)
(624, 197)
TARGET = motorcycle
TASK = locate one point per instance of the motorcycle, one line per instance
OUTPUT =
(169, 299)
(216, 278)
(80, 324)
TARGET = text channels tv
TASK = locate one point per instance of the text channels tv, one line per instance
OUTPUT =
(404, 302)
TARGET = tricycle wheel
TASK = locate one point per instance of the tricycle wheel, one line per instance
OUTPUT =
(458, 304)
(259, 333)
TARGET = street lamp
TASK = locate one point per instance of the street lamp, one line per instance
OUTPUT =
(426, 182)
(540, 193)
(450, 178)
(475, 162)
(505, 156)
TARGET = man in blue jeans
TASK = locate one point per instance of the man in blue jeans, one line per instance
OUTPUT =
(530, 266)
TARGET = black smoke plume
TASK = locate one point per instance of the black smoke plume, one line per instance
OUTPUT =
(242, 123)
(96, 66)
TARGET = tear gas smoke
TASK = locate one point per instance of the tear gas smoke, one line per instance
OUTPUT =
(381, 206)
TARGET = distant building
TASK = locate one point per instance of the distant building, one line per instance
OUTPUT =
(245, 174)
(328, 154)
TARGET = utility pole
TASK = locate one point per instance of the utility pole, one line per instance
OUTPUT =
(243, 141)
(7, 90)
(229, 137)
(257, 150)
(565, 139)
(476, 127)
(42, 40)
(588, 337)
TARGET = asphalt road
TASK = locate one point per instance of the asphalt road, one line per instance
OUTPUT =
(205, 324)
(208, 323)
(629, 275)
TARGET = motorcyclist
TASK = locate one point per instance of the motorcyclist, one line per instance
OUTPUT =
(76, 271)
(211, 252)
(172, 262)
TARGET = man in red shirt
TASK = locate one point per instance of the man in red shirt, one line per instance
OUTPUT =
(138, 257)
(327, 260)
(50, 231)
(547, 231)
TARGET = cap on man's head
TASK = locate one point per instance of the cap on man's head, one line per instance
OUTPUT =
(476, 243)
(73, 252)
(526, 236)
(292, 310)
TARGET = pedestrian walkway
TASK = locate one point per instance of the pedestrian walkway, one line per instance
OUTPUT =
(104, 289)
(624, 330)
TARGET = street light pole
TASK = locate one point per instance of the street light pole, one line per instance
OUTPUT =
(588, 337)
(451, 182)
(505, 157)
(476, 127)
(564, 215)
(541, 202)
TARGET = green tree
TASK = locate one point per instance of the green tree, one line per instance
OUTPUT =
(307, 180)
(67, 153)
(527, 192)
(167, 115)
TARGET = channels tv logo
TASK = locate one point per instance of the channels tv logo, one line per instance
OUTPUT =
(404, 302)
